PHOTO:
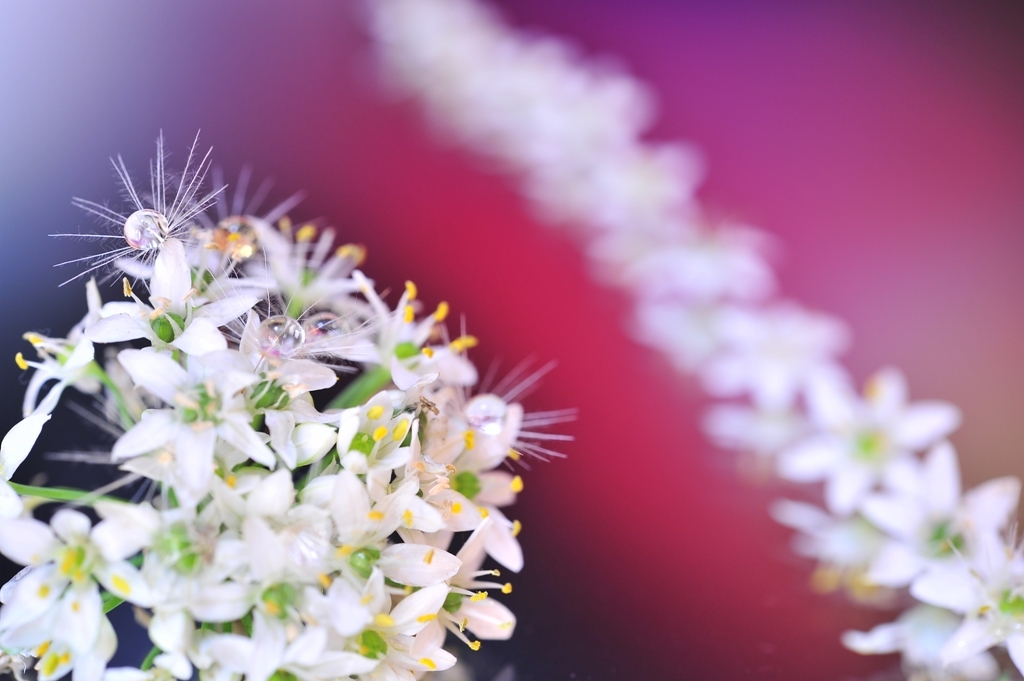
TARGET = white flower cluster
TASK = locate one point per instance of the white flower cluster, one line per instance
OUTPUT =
(895, 516)
(276, 540)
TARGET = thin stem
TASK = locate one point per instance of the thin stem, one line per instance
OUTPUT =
(148, 662)
(60, 493)
(363, 388)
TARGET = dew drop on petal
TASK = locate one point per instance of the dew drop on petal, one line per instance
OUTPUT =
(486, 414)
(280, 336)
(322, 325)
(145, 229)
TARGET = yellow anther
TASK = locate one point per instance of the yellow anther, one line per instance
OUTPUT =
(382, 620)
(407, 518)
(441, 312)
(507, 589)
(41, 650)
(456, 507)
(324, 579)
(429, 352)
(33, 338)
(495, 572)
(354, 252)
(121, 584)
(478, 596)
(379, 433)
(506, 625)
(514, 455)
(400, 430)
(67, 563)
(375, 515)
(517, 527)
(305, 234)
(19, 359)
(273, 609)
(43, 592)
(483, 512)
(407, 590)
(428, 663)
(50, 664)
(474, 645)
(64, 658)
(410, 290)
(470, 439)
(76, 606)
(78, 576)
(374, 413)
(285, 224)
(463, 343)
(126, 287)
(517, 484)
(429, 617)
(463, 623)
(367, 599)
(428, 557)
(231, 480)
(409, 315)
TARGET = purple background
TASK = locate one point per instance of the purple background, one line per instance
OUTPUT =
(884, 145)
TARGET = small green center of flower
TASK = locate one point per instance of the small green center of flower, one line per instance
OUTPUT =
(452, 602)
(363, 560)
(175, 545)
(278, 598)
(72, 563)
(362, 442)
(269, 395)
(943, 542)
(372, 644)
(1011, 604)
(203, 405)
(282, 675)
(870, 445)
(164, 329)
(467, 484)
(406, 350)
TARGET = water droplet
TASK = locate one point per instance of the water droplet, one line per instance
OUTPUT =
(280, 336)
(145, 229)
(236, 236)
(322, 325)
(486, 414)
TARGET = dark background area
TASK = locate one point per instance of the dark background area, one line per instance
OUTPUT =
(882, 143)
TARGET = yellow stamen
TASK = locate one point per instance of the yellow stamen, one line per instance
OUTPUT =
(33, 338)
(474, 645)
(483, 512)
(67, 563)
(514, 455)
(410, 290)
(441, 312)
(126, 287)
(463, 343)
(428, 558)
(64, 658)
(429, 617)
(374, 413)
(365, 600)
(517, 484)
(407, 518)
(231, 480)
(400, 431)
(355, 252)
(19, 359)
(121, 584)
(428, 663)
(41, 650)
(43, 592)
(410, 314)
(428, 352)
(273, 608)
(382, 620)
(76, 606)
(470, 439)
(507, 589)
(324, 579)
(375, 515)
(50, 664)
(517, 527)
(495, 573)
(456, 507)
(305, 233)
(478, 596)
(379, 433)
(463, 623)
(343, 551)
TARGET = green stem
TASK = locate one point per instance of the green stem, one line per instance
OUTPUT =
(60, 493)
(148, 662)
(110, 601)
(363, 388)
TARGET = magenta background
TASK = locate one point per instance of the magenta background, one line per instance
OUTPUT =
(884, 146)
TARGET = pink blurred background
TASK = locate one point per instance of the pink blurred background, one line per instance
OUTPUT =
(883, 145)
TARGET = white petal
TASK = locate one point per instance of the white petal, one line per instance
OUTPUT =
(885, 638)
(244, 438)
(348, 615)
(971, 638)
(950, 588)
(19, 441)
(898, 516)
(172, 276)
(831, 402)
(990, 506)
(125, 581)
(426, 601)
(350, 505)
(417, 564)
(925, 423)
(886, 393)
(281, 424)
(846, 488)
(1015, 646)
(71, 525)
(27, 541)
(273, 496)
(116, 328)
(312, 441)
(154, 371)
(799, 515)
(894, 566)
(488, 619)
(347, 428)
(808, 461)
(193, 457)
(78, 621)
(200, 337)
(155, 430)
(225, 310)
(221, 602)
(942, 479)
(171, 631)
(11, 505)
(501, 545)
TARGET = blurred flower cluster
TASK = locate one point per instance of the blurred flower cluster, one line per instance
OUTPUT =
(279, 530)
(895, 525)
